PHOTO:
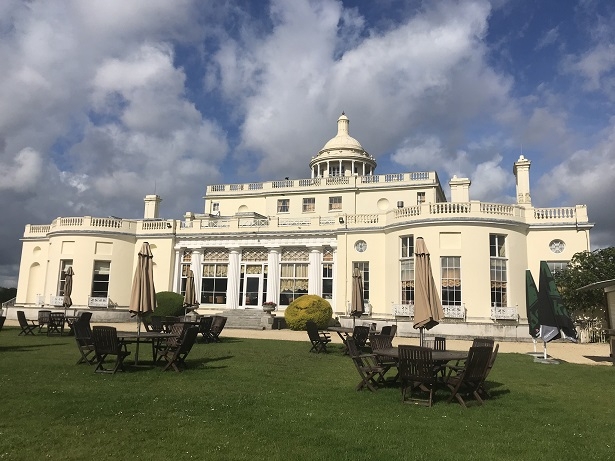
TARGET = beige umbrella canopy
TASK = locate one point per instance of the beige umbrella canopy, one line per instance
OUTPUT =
(357, 306)
(427, 305)
(190, 295)
(68, 287)
(143, 294)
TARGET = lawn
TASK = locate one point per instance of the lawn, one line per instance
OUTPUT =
(265, 399)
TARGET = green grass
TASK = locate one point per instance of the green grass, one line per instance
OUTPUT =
(265, 399)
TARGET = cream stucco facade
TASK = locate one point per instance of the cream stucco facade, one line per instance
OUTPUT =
(276, 240)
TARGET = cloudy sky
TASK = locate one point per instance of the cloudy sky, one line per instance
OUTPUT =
(104, 102)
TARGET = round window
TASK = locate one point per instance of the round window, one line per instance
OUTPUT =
(557, 246)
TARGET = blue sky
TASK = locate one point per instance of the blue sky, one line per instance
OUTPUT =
(106, 102)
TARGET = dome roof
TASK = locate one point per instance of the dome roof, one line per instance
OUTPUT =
(342, 140)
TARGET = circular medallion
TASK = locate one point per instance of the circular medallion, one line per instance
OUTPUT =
(360, 246)
(557, 246)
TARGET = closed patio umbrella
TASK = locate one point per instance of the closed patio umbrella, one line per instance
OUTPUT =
(552, 315)
(427, 305)
(68, 288)
(190, 295)
(357, 303)
(143, 294)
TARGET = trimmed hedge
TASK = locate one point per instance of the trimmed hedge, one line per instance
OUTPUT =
(308, 307)
(169, 304)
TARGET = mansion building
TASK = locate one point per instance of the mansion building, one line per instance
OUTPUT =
(280, 239)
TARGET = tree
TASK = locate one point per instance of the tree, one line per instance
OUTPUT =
(7, 293)
(586, 268)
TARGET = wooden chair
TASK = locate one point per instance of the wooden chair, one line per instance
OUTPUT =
(83, 338)
(205, 328)
(386, 330)
(318, 339)
(439, 343)
(43, 319)
(56, 323)
(217, 325)
(360, 334)
(176, 356)
(393, 330)
(482, 390)
(2, 320)
(377, 343)
(483, 342)
(417, 372)
(27, 326)
(106, 343)
(469, 379)
(366, 365)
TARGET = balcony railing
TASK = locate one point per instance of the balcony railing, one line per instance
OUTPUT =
(454, 312)
(403, 310)
(504, 313)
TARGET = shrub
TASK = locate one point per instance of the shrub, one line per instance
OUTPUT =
(308, 307)
(169, 304)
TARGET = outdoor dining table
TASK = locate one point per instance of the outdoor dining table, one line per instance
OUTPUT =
(437, 356)
(343, 333)
(154, 337)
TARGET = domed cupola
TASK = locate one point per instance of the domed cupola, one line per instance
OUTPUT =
(342, 155)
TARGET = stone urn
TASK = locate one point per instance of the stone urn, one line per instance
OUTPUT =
(269, 307)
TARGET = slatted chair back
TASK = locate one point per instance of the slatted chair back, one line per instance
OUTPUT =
(83, 338)
(318, 339)
(205, 327)
(85, 317)
(417, 372)
(217, 325)
(106, 343)
(155, 323)
(43, 319)
(471, 377)
(439, 343)
(360, 334)
(27, 326)
(483, 342)
(393, 330)
(380, 342)
(56, 323)
(386, 330)
(2, 320)
(367, 366)
(176, 358)
(482, 389)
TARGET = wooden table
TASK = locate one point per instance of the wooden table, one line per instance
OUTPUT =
(438, 356)
(154, 337)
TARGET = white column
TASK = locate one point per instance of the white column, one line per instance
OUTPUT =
(340, 168)
(315, 271)
(328, 168)
(363, 168)
(176, 274)
(273, 275)
(196, 264)
(234, 268)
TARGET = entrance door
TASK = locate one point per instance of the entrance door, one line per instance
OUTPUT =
(252, 285)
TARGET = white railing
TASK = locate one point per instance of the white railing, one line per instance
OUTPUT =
(39, 228)
(555, 213)
(408, 212)
(215, 223)
(454, 312)
(403, 310)
(294, 222)
(40, 300)
(449, 208)
(94, 301)
(504, 313)
(497, 208)
(107, 222)
(362, 219)
(249, 222)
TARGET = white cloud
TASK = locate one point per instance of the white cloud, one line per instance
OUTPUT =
(23, 172)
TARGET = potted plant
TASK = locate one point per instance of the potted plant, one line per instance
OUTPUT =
(269, 306)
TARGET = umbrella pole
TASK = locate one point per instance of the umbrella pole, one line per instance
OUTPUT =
(138, 334)
(421, 336)
(545, 350)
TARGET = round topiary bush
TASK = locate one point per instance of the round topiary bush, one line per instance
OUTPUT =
(308, 307)
(169, 304)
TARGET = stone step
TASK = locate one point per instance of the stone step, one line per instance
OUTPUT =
(251, 319)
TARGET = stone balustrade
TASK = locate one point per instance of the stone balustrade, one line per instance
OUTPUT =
(473, 210)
